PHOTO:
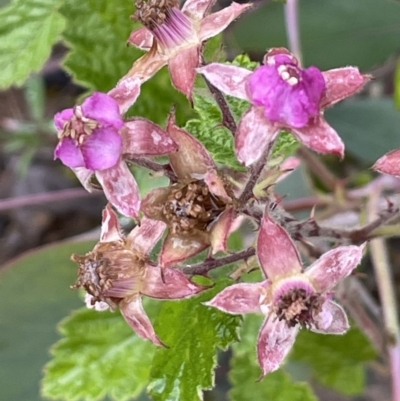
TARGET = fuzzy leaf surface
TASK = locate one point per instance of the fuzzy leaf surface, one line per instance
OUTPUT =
(28, 30)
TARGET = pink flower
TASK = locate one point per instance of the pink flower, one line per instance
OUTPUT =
(198, 209)
(290, 298)
(389, 163)
(118, 272)
(285, 97)
(94, 137)
(174, 36)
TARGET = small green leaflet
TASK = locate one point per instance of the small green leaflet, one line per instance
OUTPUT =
(98, 355)
(337, 361)
(193, 332)
(28, 30)
(244, 373)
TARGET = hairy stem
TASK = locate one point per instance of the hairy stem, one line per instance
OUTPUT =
(152, 165)
(292, 28)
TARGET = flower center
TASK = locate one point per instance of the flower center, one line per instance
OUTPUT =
(109, 273)
(152, 13)
(298, 306)
(190, 207)
(78, 127)
(290, 74)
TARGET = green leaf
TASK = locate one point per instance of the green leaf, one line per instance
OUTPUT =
(28, 30)
(34, 296)
(193, 332)
(337, 361)
(333, 33)
(277, 386)
(99, 354)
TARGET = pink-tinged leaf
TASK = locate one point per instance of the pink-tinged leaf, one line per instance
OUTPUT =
(120, 189)
(275, 341)
(216, 185)
(142, 38)
(221, 229)
(110, 227)
(253, 135)
(147, 65)
(318, 135)
(175, 249)
(126, 92)
(182, 68)
(216, 22)
(334, 266)
(144, 138)
(192, 158)
(84, 176)
(341, 83)
(276, 251)
(227, 78)
(154, 201)
(168, 284)
(331, 320)
(239, 298)
(389, 163)
(134, 314)
(197, 8)
(144, 237)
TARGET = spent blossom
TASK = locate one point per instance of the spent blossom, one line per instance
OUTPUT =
(289, 297)
(118, 272)
(285, 96)
(93, 137)
(174, 36)
(389, 163)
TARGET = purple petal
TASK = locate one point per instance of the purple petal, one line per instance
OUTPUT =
(62, 117)
(102, 149)
(334, 266)
(331, 320)
(143, 137)
(69, 153)
(144, 237)
(216, 22)
(239, 298)
(253, 135)
(276, 251)
(120, 189)
(197, 8)
(227, 78)
(318, 135)
(275, 341)
(141, 38)
(342, 83)
(134, 314)
(221, 229)
(182, 68)
(168, 284)
(103, 108)
(110, 228)
(389, 163)
(126, 92)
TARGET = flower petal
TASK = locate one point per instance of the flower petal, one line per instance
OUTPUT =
(110, 227)
(276, 251)
(192, 158)
(121, 189)
(103, 108)
(275, 341)
(168, 284)
(389, 163)
(334, 266)
(229, 79)
(144, 237)
(143, 137)
(134, 314)
(182, 68)
(216, 22)
(342, 83)
(253, 135)
(318, 135)
(331, 320)
(62, 117)
(175, 249)
(126, 92)
(69, 153)
(221, 229)
(239, 298)
(102, 149)
(141, 38)
(197, 8)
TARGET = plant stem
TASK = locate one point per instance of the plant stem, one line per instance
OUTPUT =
(152, 165)
(292, 28)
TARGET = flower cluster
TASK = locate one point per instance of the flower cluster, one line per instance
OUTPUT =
(205, 202)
